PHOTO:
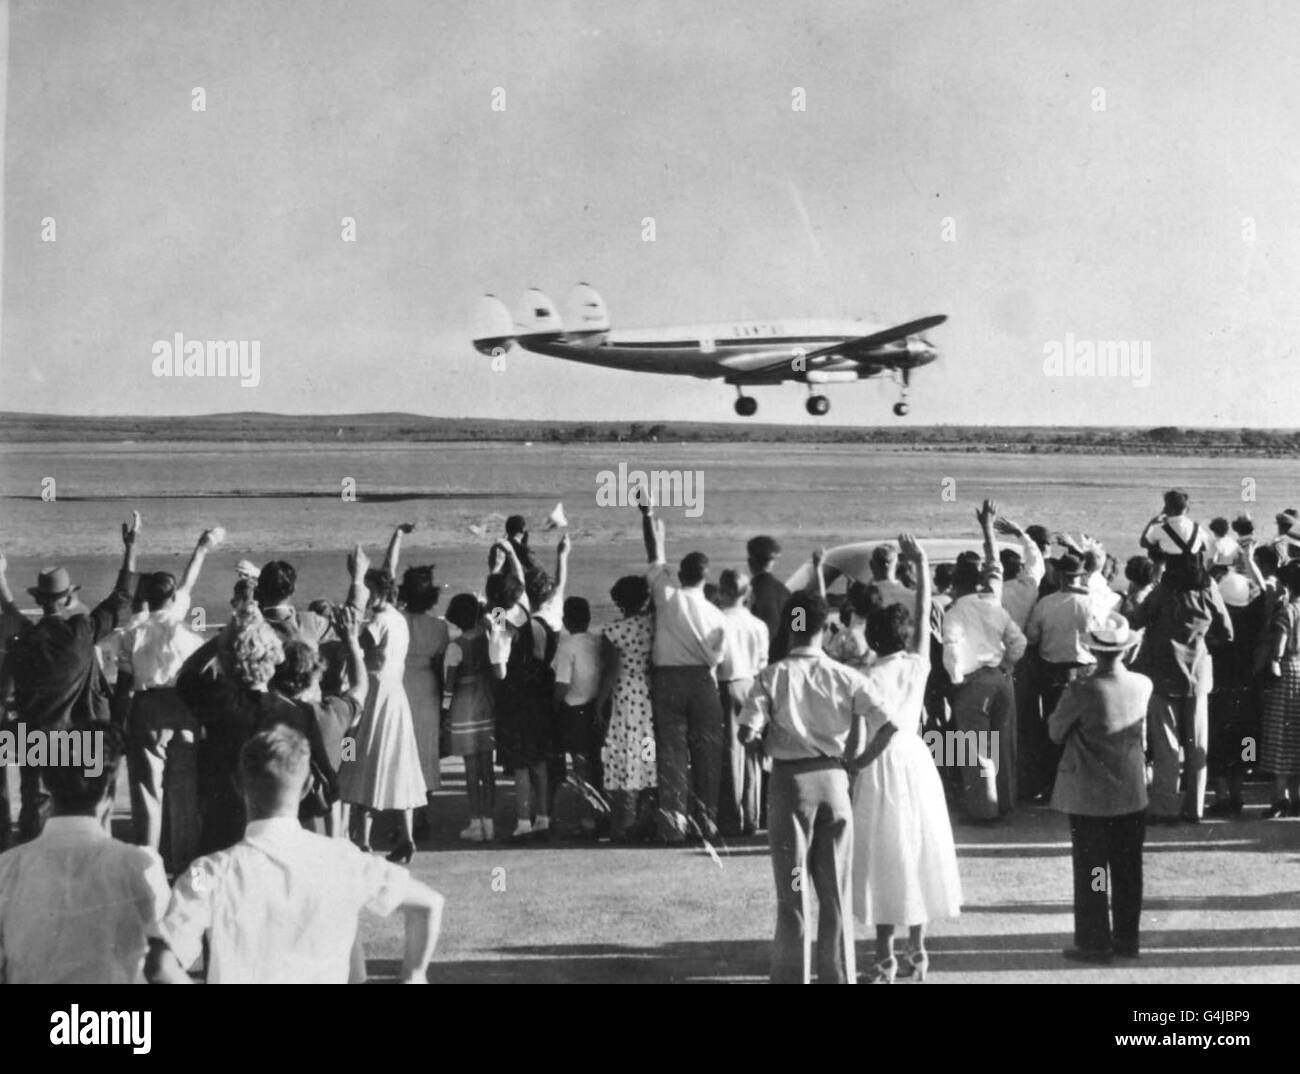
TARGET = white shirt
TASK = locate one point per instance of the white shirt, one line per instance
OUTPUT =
(280, 907)
(577, 666)
(1181, 525)
(154, 647)
(1059, 627)
(1020, 594)
(893, 591)
(745, 644)
(978, 633)
(1222, 551)
(1104, 599)
(688, 629)
(77, 906)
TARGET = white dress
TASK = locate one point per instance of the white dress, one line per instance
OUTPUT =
(385, 773)
(429, 637)
(904, 860)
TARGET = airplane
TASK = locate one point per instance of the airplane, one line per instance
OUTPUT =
(743, 353)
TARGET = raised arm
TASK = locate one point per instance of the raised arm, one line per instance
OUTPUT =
(114, 609)
(208, 540)
(562, 566)
(984, 515)
(6, 594)
(395, 546)
(818, 557)
(1033, 566)
(347, 624)
(1146, 544)
(652, 531)
(358, 564)
(911, 549)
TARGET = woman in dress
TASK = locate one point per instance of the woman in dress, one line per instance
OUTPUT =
(1280, 721)
(904, 860)
(467, 699)
(628, 754)
(385, 773)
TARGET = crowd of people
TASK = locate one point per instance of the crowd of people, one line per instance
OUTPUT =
(706, 711)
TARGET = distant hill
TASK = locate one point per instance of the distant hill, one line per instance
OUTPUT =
(363, 428)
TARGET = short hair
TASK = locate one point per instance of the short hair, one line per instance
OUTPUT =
(1037, 534)
(943, 576)
(464, 611)
(1139, 570)
(733, 585)
(862, 599)
(890, 629)
(576, 615)
(693, 567)
(515, 524)
(1093, 561)
(273, 767)
(301, 666)
(966, 572)
(630, 593)
(156, 589)
(762, 548)
(418, 592)
(1243, 525)
(382, 584)
(1011, 563)
(276, 583)
(71, 789)
(503, 591)
(1176, 501)
(322, 607)
(810, 610)
(538, 586)
(250, 649)
(882, 557)
(1219, 527)
(711, 592)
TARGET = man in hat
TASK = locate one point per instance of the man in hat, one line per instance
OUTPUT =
(1288, 541)
(1058, 626)
(767, 595)
(1101, 724)
(54, 672)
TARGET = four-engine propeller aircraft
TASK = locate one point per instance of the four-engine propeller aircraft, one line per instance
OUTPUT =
(743, 353)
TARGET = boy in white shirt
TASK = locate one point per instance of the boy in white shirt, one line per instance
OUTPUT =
(577, 666)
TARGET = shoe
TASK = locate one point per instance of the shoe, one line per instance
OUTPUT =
(1127, 952)
(1280, 808)
(365, 848)
(1294, 809)
(1080, 954)
(474, 833)
(522, 830)
(914, 967)
(1189, 818)
(402, 854)
(1235, 807)
(541, 825)
(883, 972)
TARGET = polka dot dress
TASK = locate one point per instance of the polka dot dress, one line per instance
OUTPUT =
(628, 755)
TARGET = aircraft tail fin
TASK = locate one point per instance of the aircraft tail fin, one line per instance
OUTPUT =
(537, 315)
(491, 326)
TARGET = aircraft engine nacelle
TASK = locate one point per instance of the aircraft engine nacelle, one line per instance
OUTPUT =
(537, 314)
(491, 326)
(585, 316)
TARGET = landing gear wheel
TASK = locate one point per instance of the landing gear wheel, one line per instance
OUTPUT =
(901, 409)
(746, 406)
(817, 405)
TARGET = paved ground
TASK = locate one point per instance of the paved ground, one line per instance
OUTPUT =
(1222, 905)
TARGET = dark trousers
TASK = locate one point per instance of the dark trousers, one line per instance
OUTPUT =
(4, 808)
(1107, 880)
(985, 703)
(742, 774)
(688, 746)
(810, 831)
(1052, 681)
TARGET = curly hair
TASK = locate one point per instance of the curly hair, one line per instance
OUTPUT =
(890, 629)
(298, 670)
(630, 594)
(249, 649)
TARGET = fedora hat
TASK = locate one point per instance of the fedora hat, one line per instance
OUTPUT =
(1113, 636)
(1069, 565)
(52, 583)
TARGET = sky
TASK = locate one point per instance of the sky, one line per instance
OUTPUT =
(1036, 171)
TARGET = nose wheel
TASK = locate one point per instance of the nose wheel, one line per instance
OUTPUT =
(818, 405)
(746, 406)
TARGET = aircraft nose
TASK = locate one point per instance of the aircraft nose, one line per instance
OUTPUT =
(921, 351)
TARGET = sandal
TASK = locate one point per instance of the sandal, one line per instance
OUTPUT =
(883, 972)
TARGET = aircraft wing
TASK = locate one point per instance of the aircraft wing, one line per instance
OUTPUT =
(857, 350)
